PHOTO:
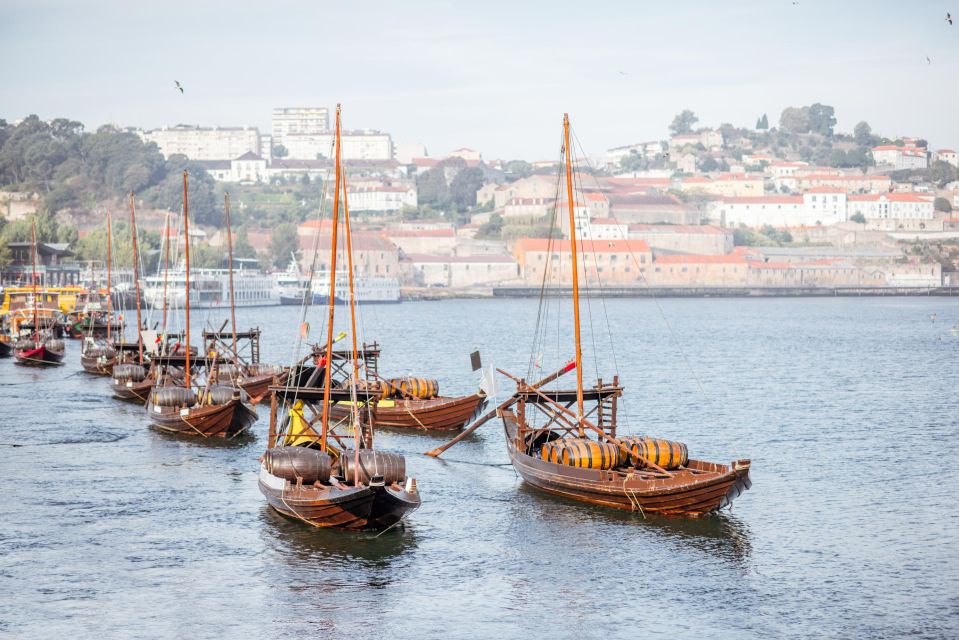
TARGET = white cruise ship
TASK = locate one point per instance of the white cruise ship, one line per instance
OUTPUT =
(211, 288)
(369, 289)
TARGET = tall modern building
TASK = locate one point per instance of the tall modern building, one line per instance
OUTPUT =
(299, 121)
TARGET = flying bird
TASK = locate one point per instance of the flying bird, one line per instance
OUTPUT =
(928, 61)
(178, 85)
(623, 73)
(949, 18)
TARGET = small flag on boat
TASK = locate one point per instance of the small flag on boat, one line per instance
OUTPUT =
(339, 336)
(538, 363)
(305, 330)
(475, 361)
(569, 366)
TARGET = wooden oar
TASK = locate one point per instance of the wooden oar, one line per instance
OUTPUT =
(486, 417)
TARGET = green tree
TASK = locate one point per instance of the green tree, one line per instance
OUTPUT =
(858, 217)
(491, 230)
(709, 164)
(518, 169)
(941, 204)
(464, 186)
(432, 188)
(683, 122)
(862, 133)
(242, 247)
(283, 241)
(795, 120)
(822, 119)
(762, 123)
(279, 151)
(635, 161)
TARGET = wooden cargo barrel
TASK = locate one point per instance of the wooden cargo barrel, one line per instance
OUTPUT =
(581, 452)
(392, 466)
(379, 387)
(221, 394)
(422, 388)
(263, 369)
(290, 463)
(668, 454)
(125, 372)
(173, 397)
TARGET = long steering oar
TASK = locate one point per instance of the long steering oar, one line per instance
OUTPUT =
(435, 453)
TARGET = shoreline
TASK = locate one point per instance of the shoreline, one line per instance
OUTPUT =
(684, 292)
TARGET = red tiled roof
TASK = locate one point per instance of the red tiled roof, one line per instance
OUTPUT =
(423, 257)
(891, 197)
(826, 176)
(587, 246)
(763, 200)
(420, 233)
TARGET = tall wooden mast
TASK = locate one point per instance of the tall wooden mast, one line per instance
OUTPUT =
(332, 298)
(166, 266)
(186, 240)
(109, 278)
(229, 245)
(36, 313)
(136, 273)
(572, 246)
(356, 359)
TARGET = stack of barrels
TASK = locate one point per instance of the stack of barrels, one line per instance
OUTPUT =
(591, 454)
(400, 388)
(295, 464)
(129, 373)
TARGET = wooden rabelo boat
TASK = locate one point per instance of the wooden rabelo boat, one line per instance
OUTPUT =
(242, 348)
(40, 349)
(323, 470)
(6, 345)
(565, 441)
(97, 353)
(210, 411)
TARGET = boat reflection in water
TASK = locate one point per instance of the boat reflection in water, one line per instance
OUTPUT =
(329, 551)
(721, 535)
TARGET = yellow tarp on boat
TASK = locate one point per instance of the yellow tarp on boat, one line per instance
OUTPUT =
(299, 432)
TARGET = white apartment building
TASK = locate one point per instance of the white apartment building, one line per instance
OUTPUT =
(892, 206)
(204, 143)
(900, 157)
(299, 121)
(812, 208)
(357, 145)
(381, 197)
(947, 155)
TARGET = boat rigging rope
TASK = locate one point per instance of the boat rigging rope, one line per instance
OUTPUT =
(631, 494)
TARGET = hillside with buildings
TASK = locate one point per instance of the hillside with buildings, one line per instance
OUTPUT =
(793, 205)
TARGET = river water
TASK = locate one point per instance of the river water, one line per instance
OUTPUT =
(847, 408)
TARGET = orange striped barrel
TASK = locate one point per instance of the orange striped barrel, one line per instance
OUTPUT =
(423, 388)
(581, 452)
(667, 454)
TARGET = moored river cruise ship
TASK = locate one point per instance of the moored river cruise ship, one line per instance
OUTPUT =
(211, 288)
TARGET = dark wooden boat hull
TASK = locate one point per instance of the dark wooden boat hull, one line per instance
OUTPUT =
(38, 357)
(6, 349)
(435, 414)
(699, 489)
(344, 507)
(137, 392)
(209, 421)
(93, 365)
(258, 387)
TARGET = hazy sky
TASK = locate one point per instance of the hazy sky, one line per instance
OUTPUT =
(495, 76)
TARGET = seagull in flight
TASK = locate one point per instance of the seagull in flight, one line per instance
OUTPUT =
(949, 18)
(623, 73)
(928, 60)
(178, 85)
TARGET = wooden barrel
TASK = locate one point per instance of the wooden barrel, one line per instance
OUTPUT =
(263, 369)
(221, 394)
(54, 345)
(377, 387)
(226, 372)
(173, 397)
(392, 466)
(668, 454)
(291, 463)
(581, 452)
(125, 372)
(423, 388)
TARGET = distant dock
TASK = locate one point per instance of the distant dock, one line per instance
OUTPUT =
(730, 292)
